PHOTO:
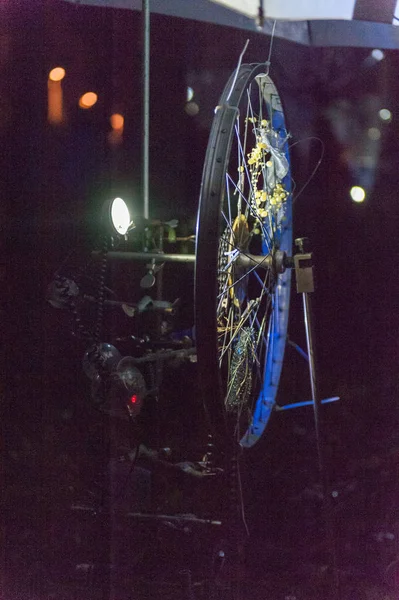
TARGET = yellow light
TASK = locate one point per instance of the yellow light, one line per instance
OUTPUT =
(56, 74)
(55, 112)
(192, 109)
(88, 100)
(117, 122)
(374, 133)
(357, 193)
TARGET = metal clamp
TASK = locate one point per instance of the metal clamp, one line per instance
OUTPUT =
(303, 263)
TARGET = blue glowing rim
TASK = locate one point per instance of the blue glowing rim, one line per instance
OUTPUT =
(278, 323)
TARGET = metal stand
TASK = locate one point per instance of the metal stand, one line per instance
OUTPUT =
(305, 286)
(303, 262)
(146, 105)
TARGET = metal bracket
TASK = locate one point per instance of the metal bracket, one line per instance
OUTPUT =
(303, 263)
(304, 273)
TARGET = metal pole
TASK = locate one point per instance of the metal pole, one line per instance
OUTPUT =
(122, 256)
(307, 311)
(146, 105)
(305, 286)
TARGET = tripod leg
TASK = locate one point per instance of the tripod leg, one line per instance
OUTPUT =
(305, 286)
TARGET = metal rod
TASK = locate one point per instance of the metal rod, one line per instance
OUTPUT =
(146, 105)
(147, 516)
(158, 366)
(165, 355)
(147, 257)
(307, 310)
(174, 518)
(251, 260)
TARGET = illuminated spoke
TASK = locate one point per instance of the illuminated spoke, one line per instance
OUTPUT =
(246, 274)
(237, 328)
(253, 213)
(228, 206)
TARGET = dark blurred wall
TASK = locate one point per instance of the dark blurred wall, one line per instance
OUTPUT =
(54, 180)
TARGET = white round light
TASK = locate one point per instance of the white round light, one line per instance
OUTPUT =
(377, 54)
(189, 94)
(357, 193)
(385, 114)
(120, 216)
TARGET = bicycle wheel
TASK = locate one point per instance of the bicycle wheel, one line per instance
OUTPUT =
(244, 233)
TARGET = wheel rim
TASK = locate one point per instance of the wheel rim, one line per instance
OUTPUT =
(244, 218)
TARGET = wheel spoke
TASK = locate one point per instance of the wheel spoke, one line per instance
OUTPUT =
(253, 213)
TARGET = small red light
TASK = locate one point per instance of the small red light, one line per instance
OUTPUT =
(134, 399)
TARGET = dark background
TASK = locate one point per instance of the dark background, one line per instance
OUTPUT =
(54, 182)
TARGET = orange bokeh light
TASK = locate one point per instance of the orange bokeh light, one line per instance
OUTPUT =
(117, 121)
(56, 74)
(88, 100)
